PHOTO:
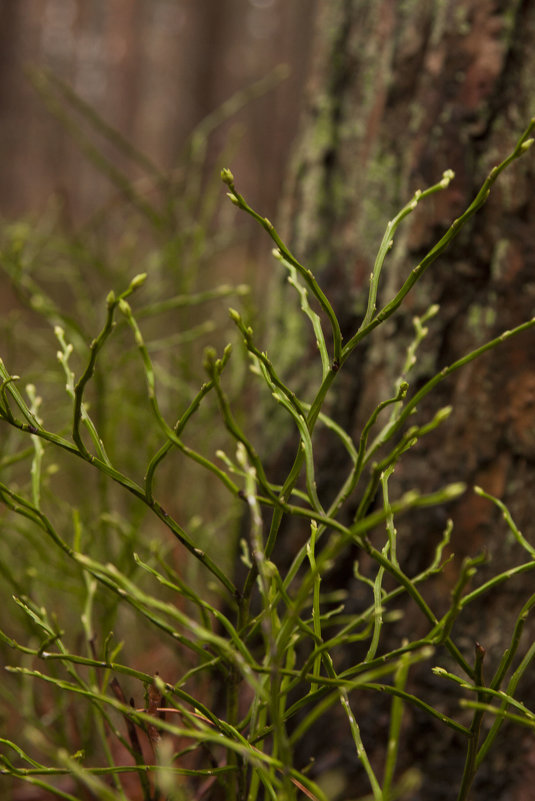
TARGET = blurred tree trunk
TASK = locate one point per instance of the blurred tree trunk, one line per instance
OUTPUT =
(153, 70)
(400, 92)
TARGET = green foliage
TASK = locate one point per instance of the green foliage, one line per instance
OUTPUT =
(89, 507)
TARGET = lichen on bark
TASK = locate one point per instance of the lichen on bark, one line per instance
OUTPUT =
(399, 93)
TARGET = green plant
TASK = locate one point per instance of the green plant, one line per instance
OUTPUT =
(272, 639)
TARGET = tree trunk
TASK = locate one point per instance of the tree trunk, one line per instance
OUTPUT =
(400, 92)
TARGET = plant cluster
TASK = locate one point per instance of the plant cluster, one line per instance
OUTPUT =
(271, 639)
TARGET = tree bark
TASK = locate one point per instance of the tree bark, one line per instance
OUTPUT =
(400, 92)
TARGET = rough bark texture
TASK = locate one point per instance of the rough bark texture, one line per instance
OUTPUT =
(401, 92)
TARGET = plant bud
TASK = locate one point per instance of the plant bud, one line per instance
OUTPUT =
(138, 280)
(227, 177)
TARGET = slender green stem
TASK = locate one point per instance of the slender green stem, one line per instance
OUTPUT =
(388, 241)
(394, 734)
(523, 144)
(470, 766)
(306, 274)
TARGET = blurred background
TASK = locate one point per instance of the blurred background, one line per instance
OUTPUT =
(116, 119)
(152, 69)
